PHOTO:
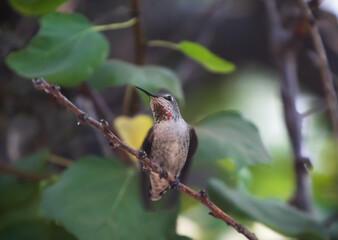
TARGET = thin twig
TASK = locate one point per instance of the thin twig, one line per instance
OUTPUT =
(104, 111)
(285, 55)
(140, 43)
(293, 120)
(115, 142)
(330, 93)
(139, 59)
(100, 103)
(29, 176)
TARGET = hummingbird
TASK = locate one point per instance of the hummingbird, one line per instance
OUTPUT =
(171, 142)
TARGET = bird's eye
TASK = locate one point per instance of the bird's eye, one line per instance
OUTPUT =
(169, 98)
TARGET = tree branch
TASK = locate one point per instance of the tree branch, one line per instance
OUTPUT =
(139, 59)
(293, 120)
(285, 55)
(140, 43)
(330, 93)
(103, 126)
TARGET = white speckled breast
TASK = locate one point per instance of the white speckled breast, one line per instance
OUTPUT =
(170, 149)
(170, 145)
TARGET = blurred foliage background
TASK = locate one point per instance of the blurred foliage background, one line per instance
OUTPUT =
(59, 180)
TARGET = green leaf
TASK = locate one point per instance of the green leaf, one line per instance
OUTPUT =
(35, 229)
(152, 78)
(227, 135)
(272, 212)
(98, 199)
(20, 200)
(206, 58)
(20, 205)
(35, 7)
(65, 51)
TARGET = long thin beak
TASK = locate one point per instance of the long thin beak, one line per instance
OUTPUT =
(146, 92)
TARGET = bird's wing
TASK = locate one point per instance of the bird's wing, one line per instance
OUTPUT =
(148, 141)
(192, 149)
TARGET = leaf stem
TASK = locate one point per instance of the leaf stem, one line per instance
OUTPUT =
(59, 160)
(114, 26)
(165, 44)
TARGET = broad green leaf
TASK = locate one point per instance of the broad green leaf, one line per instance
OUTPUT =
(20, 200)
(227, 135)
(152, 78)
(35, 7)
(272, 212)
(65, 51)
(199, 54)
(35, 229)
(98, 199)
(206, 58)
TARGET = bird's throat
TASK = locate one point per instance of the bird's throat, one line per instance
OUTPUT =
(161, 113)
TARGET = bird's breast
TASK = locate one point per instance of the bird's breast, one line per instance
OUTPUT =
(170, 145)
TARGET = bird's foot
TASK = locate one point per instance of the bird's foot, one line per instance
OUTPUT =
(163, 174)
(202, 194)
(142, 154)
(174, 184)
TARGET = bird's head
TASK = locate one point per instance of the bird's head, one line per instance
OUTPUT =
(163, 105)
